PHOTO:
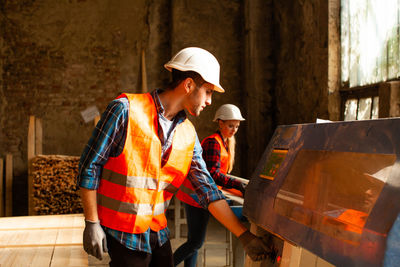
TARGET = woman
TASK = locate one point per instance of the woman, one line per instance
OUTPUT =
(219, 154)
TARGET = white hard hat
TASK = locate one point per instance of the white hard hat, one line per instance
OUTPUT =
(228, 112)
(198, 60)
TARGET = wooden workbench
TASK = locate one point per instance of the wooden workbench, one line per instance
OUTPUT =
(47, 240)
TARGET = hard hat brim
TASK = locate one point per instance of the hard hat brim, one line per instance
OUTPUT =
(216, 119)
(218, 89)
(170, 65)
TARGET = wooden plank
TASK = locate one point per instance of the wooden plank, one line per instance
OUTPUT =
(73, 220)
(8, 185)
(71, 236)
(28, 238)
(31, 155)
(49, 240)
(45, 231)
(69, 256)
(42, 222)
(1, 188)
(38, 137)
(34, 257)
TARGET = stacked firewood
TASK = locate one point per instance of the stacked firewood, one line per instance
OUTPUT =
(54, 185)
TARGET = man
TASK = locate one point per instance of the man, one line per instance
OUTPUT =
(138, 156)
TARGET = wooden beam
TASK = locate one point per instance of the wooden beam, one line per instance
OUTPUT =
(31, 138)
(31, 155)
(1, 188)
(38, 137)
(144, 73)
(9, 183)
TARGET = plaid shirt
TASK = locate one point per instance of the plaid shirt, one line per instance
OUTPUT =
(212, 157)
(108, 140)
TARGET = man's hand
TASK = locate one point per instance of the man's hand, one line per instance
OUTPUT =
(255, 247)
(94, 239)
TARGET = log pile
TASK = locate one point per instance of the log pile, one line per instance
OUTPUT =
(54, 185)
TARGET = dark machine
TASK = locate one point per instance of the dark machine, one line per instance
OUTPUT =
(331, 188)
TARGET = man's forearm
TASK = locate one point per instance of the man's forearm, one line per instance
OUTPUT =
(89, 201)
(224, 214)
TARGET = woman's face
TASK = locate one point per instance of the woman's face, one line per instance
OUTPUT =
(228, 128)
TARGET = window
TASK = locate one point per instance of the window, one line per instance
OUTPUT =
(360, 105)
(370, 40)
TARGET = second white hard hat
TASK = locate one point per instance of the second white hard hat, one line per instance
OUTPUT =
(198, 60)
(228, 112)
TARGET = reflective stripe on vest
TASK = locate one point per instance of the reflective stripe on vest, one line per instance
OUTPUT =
(133, 208)
(138, 182)
(186, 191)
(134, 190)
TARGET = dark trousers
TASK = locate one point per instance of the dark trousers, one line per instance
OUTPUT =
(197, 220)
(121, 256)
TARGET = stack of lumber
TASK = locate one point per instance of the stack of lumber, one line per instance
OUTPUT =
(54, 185)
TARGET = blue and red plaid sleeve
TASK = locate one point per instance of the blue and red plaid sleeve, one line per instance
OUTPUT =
(212, 157)
(108, 139)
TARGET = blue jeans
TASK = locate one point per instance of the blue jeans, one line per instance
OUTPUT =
(197, 219)
(392, 253)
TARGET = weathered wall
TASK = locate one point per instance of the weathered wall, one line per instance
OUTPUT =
(59, 57)
(214, 25)
(259, 67)
(292, 68)
(302, 60)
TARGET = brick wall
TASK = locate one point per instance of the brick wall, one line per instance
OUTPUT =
(59, 57)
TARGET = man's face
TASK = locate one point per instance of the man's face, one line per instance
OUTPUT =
(199, 98)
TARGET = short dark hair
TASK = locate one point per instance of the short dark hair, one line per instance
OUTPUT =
(179, 76)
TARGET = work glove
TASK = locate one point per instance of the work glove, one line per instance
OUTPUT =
(94, 239)
(255, 247)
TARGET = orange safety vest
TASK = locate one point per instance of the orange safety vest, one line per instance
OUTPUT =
(135, 190)
(186, 191)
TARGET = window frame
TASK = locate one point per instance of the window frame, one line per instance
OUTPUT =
(357, 92)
